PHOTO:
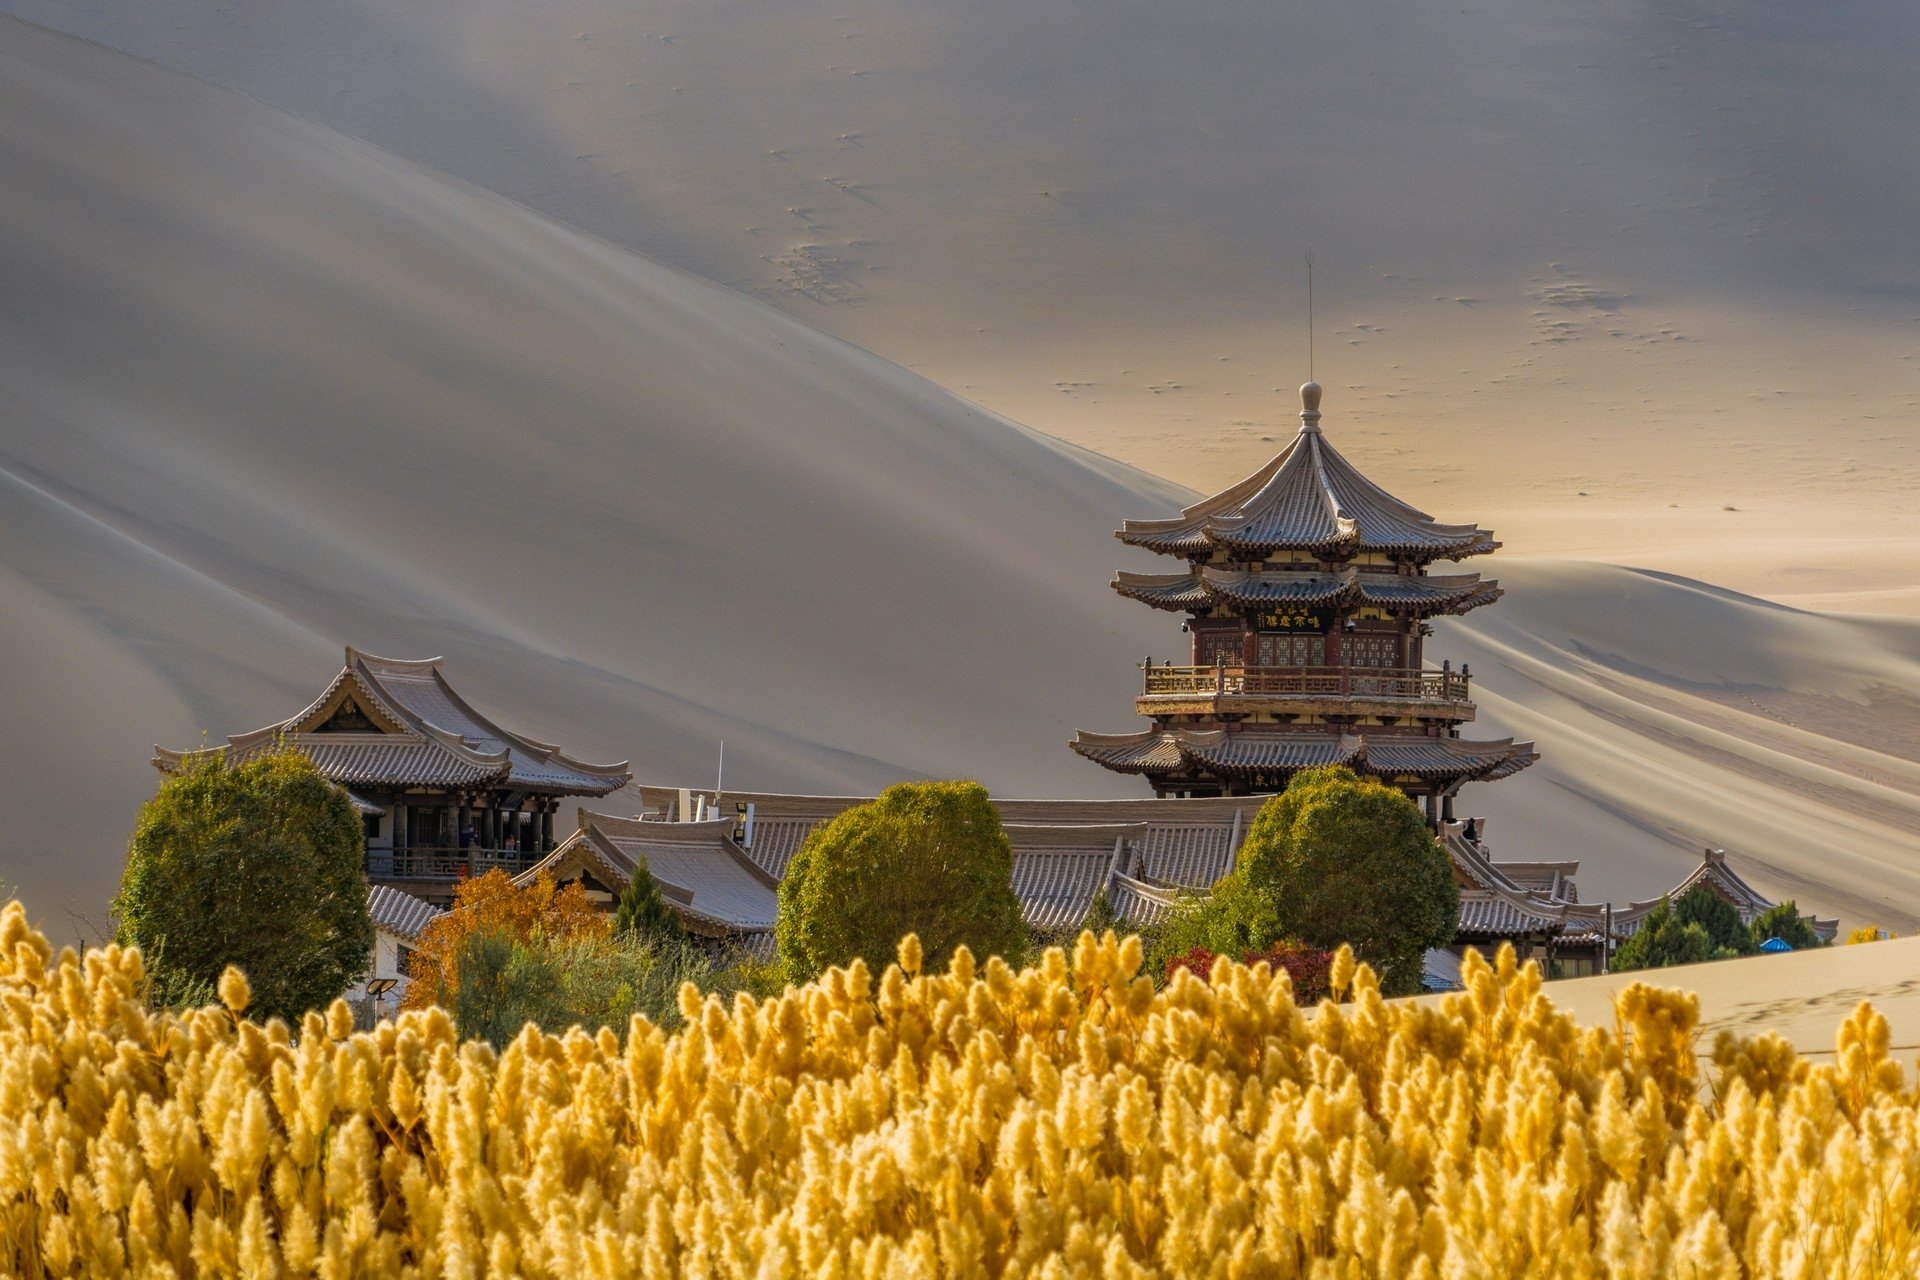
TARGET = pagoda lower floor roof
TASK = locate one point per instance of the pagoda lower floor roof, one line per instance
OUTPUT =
(1241, 753)
(1416, 595)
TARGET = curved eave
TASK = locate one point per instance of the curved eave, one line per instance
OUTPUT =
(1184, 534)
(1179, 592)
(1309, 498)
(1246, 754)
(1420, 596)
(1148, 751)
(1179, 540)
(1442, 759)
(588, 778)
(1488, 915)
(359, 760)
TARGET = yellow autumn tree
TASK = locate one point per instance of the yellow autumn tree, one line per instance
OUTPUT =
(493, 904)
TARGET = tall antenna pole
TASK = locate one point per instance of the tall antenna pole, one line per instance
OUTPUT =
(1309, 315)
(720, 777)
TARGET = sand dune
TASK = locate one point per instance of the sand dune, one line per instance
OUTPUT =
(1804, 996)
(267, 389)
(1598, 273)
(1673, 715)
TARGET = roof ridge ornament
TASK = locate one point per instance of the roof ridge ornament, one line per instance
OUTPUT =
(1309, 408)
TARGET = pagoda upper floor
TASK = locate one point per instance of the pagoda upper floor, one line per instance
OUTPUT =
(1309, 501)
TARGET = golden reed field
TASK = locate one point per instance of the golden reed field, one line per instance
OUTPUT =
(1067, 1119)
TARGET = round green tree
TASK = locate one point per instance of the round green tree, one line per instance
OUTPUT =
(1784, 921)
(256, 865)
(928, 858)
(1340, 859)
(1662, 940)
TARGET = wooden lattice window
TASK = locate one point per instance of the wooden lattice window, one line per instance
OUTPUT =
(1291, 651)
(1369, 651)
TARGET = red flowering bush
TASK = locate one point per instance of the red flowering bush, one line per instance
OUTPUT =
(1198, 961)
(1310, 968)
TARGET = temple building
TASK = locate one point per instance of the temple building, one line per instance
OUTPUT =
(443, 791)
(721, 874)
(1307, 590)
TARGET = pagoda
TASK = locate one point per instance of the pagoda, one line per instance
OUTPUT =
(1307, 590)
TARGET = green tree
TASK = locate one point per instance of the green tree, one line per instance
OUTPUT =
(256, 865)
(643, 911)
(1784, 921)
(927, 858)
(1663, 940)
(1721, 920)
(1335, 859)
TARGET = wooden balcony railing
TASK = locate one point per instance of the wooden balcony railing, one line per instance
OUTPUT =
(445, 863)
(1308, 682)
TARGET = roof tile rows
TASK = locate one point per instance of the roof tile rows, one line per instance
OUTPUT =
(1142, 853)
(1415, 595)
(412, 729)
(1257, 751)
(399, 913)
(1309, 498)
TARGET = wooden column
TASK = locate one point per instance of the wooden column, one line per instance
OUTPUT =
(399, 825)
(546, 825)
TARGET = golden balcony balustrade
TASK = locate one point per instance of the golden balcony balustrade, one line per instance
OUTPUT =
(1165, 680)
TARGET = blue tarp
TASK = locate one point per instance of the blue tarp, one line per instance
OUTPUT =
(1776, 944)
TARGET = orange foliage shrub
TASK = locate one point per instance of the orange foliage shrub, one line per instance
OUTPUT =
(492, 903)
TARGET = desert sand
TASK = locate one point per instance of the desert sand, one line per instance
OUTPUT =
(1804, 996)
(1634, 283)
(267, 389)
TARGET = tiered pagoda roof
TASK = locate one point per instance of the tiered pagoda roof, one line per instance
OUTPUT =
(1405, 594)
(1309, 499)
(1261, 753)
(386, 723)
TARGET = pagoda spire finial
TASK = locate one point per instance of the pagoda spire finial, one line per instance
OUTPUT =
(1310, 408)
(1310, 390)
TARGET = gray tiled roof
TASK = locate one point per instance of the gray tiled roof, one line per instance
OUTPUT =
(1257, 750)
(398, 912)
(1140, 902)
(1149, 751)
(1415, 595)
(1191, 855)
(1490, 914)
(1217, 749)
(1445, 757)
(422, 734)
(1143, 852)
(1058, 869)
(1309, 498)
(422, 691)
